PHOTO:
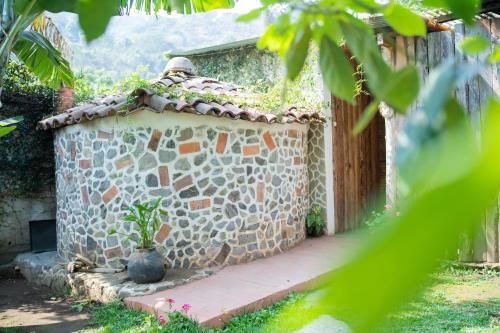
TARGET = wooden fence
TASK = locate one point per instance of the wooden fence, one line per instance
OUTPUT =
(481, 245)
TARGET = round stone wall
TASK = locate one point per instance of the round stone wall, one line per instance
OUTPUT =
(235, 190)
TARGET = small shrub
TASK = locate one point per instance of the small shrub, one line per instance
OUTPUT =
(315, 222)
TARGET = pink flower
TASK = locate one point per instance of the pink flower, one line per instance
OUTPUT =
(170, 301)
(387, 207)
(162, 320)
(186, 307)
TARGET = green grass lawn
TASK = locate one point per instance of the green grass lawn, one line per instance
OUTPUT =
(460, 301)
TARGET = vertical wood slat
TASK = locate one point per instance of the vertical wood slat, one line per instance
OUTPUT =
(495, 38)
(430, 52)
(462, 92)
(355, 162)
(338, 161)
(489, 85)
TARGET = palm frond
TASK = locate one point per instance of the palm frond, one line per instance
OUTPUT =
(46, 27)
(38, 54)
(169, 6)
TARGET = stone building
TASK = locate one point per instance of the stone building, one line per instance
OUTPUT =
(234, 180)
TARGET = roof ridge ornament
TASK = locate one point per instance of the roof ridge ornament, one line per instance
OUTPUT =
(179, 65)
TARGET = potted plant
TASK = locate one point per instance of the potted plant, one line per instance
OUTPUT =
(315, 223)
(145, 265)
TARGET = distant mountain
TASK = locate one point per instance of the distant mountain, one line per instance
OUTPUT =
(132, 42)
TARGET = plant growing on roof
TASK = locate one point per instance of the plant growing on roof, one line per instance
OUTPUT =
(147, 217)
(315, 222)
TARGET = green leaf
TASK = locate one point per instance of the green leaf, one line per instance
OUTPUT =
(360, 41)
(252, 15)
(297, 53)
(367, 116)
(112, 231)
(11, 121)
(163, 212)
(278, 36)
(129, 218)
(401, 88)
(404, 21)
(495, 56)
(464, 9)
(424, 124)
(54, 6)
(336, 70)
(6, 130)
(474, 44)
(208, 5)
(38, 54)
(94, 16)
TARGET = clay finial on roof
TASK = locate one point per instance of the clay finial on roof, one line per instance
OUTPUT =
(179, 64)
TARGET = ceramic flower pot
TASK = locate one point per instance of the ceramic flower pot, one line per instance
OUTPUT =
(146, 266)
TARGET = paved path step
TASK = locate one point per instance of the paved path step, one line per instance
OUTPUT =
(249, 287)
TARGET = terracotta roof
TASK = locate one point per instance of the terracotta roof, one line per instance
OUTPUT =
(163, 102)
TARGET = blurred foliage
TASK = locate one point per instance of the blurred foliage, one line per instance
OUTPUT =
(446, 177)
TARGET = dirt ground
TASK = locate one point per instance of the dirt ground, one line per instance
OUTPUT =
(28, 308)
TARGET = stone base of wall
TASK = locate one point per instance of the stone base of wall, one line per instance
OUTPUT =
(48, 269)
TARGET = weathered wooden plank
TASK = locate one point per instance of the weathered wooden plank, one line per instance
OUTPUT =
(422, 59)
(495, 38)
(466, 248)
(390, 135)
(474, 99)
(462, 92)
(490, 87)
(337, 171)
(491, 230)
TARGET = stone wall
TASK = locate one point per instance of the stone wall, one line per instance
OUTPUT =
(316, 169)
(235, 190)
(245, 66)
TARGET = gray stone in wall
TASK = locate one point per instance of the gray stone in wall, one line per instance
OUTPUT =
(147, 162)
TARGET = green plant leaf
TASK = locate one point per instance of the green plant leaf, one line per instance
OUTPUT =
(6, 130)
(112, 231)
(464, 9)
(392, 92)
(367, 116)
(359, 39)
(495, 56)
(251, 15)
(297, 53)
(38, 54)
(404, 21)
(94, 16)
(11, 121)
(336, 70)
(474, 44)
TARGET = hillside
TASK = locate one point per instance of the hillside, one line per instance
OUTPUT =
(132, 42)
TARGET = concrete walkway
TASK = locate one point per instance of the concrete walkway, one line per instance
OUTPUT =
(248, 287)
